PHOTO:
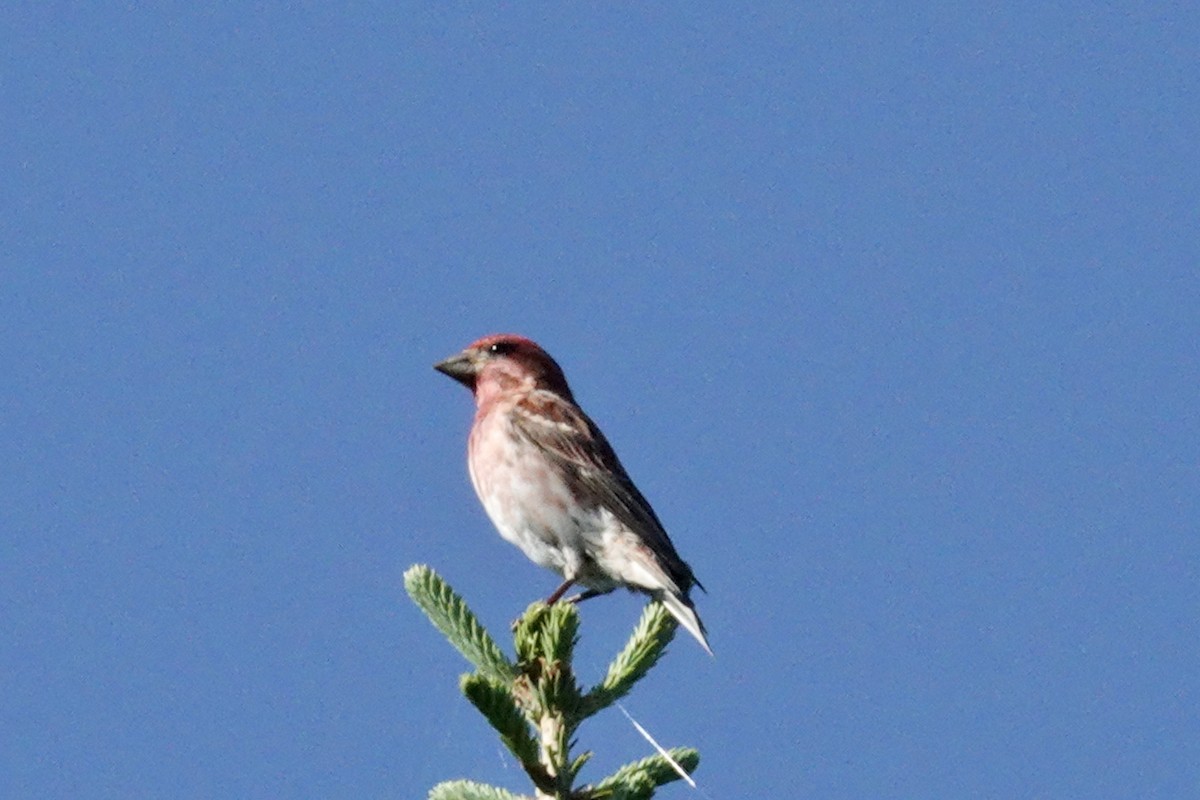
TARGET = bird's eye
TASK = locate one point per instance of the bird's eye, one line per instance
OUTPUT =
(501, 348)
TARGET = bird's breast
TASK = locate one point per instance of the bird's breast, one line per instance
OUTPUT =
(528, 498)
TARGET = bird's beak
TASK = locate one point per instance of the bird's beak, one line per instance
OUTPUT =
(460, 367)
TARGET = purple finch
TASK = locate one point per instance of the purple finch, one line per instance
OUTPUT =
(552, 485)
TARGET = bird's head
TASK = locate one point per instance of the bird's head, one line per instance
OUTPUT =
(504, 362)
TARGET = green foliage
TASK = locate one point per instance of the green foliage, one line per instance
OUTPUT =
(496, 703)
(450, 615)
(653, 633)
(536, 704)
(638, 780)
(469, 790)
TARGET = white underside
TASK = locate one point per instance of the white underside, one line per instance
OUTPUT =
(532, 507)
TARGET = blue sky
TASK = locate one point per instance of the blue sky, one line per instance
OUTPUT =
(890, 311)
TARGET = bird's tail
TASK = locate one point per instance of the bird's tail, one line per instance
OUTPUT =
(684, 612)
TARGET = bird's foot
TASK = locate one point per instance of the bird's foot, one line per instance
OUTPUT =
(560, 591)
(588, 595)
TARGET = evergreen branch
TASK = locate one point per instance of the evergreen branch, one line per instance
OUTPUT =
(536, 705)
(450, 615)
(545, 638)
(631, 780)
(633, 787)
(469, 790)
(527, 633)
(495, 702)
(579, 762)
(646, 646)
(557, 691)
(560, 633)
(548, 632)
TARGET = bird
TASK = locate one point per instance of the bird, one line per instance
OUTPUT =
(553, 486)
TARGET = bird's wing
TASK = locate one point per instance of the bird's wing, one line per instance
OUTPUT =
(576, 446)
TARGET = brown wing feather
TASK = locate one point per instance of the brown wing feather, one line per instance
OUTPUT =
(576, 446)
